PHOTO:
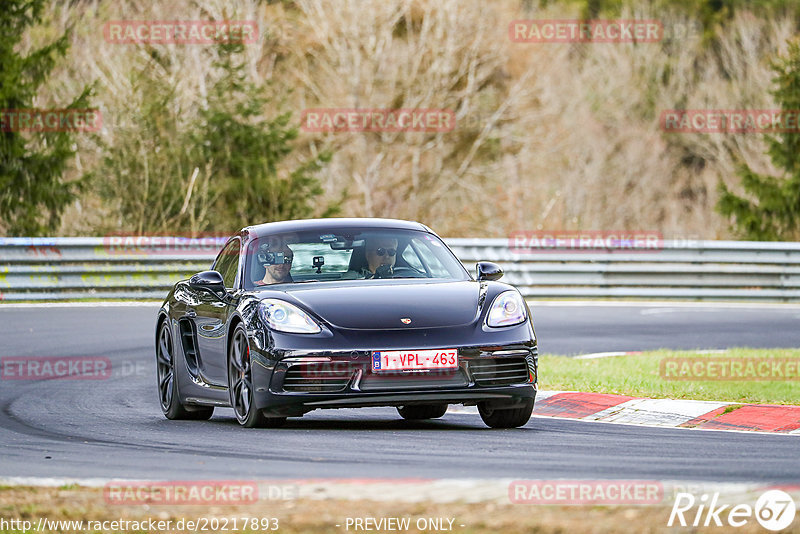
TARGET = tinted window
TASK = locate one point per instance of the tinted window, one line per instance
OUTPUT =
(228, 262)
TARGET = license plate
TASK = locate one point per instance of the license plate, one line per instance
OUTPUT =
(412, 360)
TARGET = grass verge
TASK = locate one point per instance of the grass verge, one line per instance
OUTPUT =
(647, 375)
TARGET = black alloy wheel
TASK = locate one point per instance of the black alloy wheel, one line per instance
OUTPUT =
(168, 395)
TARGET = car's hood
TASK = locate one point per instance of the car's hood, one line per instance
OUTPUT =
(381, 306)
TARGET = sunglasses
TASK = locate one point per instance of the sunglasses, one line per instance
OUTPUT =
(385, 251)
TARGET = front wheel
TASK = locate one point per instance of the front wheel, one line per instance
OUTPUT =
(168, 381)
(422, 411)
(240, 384)
(495, 416)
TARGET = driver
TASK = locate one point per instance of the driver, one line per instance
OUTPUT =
(380, 253)
(278, 273)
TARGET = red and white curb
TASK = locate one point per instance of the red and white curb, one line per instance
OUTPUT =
(673, 413)
(676, 413)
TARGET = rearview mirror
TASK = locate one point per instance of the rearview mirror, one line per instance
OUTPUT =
(488, 271)
(208, 280)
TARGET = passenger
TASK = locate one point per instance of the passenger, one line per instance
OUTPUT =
(277, 273)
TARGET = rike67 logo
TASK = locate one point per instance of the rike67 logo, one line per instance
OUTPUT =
(774, 510)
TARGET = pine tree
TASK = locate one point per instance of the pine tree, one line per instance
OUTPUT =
(245, 150)
(771, 209)
(33, 193)
(218, 170)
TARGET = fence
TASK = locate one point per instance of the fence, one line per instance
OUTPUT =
(89, 268)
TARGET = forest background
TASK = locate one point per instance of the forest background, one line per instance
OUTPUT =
(548, 136)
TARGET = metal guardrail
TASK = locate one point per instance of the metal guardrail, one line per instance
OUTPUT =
(95, 268)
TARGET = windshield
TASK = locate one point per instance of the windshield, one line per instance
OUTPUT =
(348, 254)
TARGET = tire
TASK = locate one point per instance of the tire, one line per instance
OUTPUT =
(506, 417)
(169, 398)
(422, 411)
(240, 384)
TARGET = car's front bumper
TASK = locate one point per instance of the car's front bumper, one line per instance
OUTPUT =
(300, 381)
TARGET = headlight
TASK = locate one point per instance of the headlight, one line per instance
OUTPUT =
(507, 309)
(285, 317)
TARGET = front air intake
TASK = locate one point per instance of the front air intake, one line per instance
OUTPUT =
(325, 377)
(499, 371)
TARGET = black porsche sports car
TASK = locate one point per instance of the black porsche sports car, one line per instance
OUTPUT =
(342, 313)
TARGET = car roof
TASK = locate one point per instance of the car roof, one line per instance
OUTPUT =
(323, 224)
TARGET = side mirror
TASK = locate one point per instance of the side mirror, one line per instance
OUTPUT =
(208, 280)
(488, 271)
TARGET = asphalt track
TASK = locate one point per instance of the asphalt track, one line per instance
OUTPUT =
(113, 428)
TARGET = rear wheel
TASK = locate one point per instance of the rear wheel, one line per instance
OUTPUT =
(422, 411)
(496, 416)
(240, 384)
(168, 383)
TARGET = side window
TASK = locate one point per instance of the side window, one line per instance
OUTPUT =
(412, 259)
(228, 262)
(429, 258)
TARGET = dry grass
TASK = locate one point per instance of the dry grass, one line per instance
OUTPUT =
(322, 516)
(549, 136)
